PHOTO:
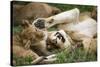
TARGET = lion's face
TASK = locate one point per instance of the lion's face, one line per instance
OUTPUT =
(57, 39)
(31, 33)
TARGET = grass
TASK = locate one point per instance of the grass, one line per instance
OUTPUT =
(78, 55)
(16, 29)
(64, 7)
(21, 60)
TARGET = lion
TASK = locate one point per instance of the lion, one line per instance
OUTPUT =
(31, 11)
(63, 17)
(30, 42)
(78, 27)
(59, 40)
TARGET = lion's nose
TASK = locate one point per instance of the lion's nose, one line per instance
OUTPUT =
(54, 41)
(40, 24)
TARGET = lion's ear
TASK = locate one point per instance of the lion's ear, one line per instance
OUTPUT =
(25, 23)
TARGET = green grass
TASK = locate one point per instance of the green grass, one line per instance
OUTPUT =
(22, 61)
(78, 55)
(64, 7)
(17, 29)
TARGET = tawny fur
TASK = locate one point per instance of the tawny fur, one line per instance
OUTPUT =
(19, 50)
(32, 11)
(90, 45)
(64, 17)
(78, 26)
(57, 43)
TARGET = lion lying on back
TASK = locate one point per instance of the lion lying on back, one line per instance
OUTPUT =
(77, 27)
(34, 42)
(35, 39)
